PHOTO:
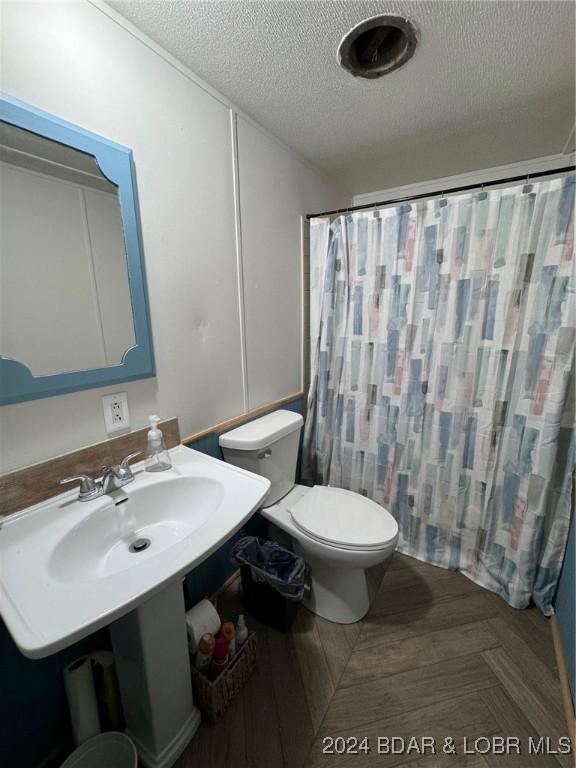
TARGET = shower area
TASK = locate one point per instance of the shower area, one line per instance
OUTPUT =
(442, 376)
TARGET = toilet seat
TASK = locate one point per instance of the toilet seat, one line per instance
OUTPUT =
(343, 519)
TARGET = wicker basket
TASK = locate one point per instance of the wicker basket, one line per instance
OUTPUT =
(215, 696)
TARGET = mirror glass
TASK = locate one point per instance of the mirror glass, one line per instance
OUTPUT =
(65, 300)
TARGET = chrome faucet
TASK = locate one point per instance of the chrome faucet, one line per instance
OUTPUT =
(113, 478)
(117, 475)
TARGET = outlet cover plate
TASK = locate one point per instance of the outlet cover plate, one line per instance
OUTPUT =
(116, 413)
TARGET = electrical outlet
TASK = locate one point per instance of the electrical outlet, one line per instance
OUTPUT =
(116, 414)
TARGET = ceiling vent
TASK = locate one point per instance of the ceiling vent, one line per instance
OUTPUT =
(377, 46)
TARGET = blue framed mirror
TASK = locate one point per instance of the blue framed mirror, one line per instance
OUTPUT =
(73, 303)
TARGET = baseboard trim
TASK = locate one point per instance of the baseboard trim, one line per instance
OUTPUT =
(564, 684)
(223, 426)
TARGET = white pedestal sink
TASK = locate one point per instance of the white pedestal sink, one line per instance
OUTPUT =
(68, 568)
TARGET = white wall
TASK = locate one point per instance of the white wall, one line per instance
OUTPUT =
(82, 63)
(276, 191)
(477, 177)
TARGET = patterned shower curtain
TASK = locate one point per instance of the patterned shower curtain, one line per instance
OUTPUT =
(442, 343)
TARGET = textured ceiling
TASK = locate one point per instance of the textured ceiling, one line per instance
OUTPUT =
(490, 83)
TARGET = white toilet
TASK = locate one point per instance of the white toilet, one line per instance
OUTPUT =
(339, 533)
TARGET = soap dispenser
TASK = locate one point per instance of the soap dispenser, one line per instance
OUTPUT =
(157, 457)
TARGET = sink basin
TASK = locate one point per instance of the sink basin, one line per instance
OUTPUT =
(68, 568)
(134, 527)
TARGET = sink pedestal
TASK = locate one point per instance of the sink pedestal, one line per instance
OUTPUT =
(153, 666)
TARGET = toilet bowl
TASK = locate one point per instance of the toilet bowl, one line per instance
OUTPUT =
(338, 556)
(338, 532)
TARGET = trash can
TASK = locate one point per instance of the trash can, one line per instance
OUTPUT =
(107, 750)
(274, 580)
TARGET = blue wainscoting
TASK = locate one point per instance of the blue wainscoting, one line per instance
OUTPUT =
(34, 717)
(564, 606)
(33, 709)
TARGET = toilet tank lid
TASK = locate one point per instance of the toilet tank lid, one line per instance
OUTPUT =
(262, 432)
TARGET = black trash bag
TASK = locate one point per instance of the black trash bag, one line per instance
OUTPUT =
(273, 565)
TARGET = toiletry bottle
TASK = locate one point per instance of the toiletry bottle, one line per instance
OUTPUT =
(219, 657)
(241, 631)
(157, 457)
(229, 633)
(205, 652)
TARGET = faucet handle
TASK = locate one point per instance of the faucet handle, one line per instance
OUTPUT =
(123, 471)
(89, 488)
(125, 463)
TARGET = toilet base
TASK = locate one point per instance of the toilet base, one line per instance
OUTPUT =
(337, 594)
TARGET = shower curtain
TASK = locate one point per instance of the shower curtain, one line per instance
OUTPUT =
(442, 377)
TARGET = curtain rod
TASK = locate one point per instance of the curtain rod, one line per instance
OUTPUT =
(524, 177)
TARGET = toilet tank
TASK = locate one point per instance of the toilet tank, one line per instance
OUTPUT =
(267, 446)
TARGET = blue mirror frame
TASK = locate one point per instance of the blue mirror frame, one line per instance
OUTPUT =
(17, 383)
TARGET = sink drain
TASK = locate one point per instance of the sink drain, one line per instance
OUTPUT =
(139, 545)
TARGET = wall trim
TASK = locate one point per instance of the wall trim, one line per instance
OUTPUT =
(175, 63)
(239, 258)
(462, 179)
(84, 185)
(564, 683)
(224, 586)
(306, 297)
(224, 426)
(569, 145)
(303, 306)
